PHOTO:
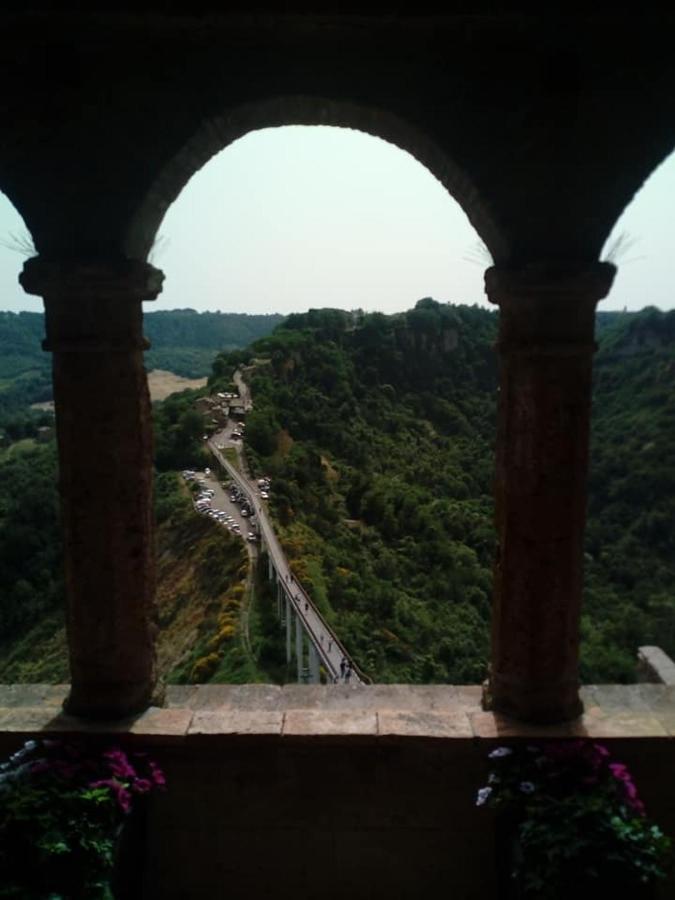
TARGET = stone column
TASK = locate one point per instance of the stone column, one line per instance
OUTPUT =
(299, 647)
(545, 346)
(93, 320)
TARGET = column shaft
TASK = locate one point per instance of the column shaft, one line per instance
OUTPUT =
(545, 346)
(104, 431)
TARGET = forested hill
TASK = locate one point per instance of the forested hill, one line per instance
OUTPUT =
(630, 537)
(183, 341)
(378, 432)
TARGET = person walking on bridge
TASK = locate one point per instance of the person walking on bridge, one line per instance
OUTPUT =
(343, 666)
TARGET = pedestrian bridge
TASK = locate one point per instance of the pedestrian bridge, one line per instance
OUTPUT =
(308, 636)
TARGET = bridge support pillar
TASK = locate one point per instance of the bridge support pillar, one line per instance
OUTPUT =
(546, 347)
(289, 631)
(299, 647)
(314, 674)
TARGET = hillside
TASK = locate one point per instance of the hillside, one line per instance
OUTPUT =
(202, 590)
(630, 538)
(378, 434)
(183, 341)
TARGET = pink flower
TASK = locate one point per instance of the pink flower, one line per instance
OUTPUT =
(122, 795)
(119, 764)
(157, 775)
(141, 785)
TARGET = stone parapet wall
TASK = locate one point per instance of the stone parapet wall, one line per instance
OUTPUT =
(655, 666)
(339, 791)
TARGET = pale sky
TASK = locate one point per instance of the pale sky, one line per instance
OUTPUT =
(290, 218)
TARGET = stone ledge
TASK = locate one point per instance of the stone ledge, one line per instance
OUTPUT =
(371, 713)
(656, 665)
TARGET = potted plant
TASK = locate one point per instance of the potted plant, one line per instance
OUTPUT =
(571, 823)
(62, 809)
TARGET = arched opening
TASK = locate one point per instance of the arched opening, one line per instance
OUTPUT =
(221, 131)
(287, 219)
(292, 217)
(629, 536)
(31, 564)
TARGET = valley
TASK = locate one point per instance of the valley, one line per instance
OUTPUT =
(377, 433)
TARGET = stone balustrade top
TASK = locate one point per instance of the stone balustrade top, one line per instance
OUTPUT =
(338, 712)
(654, 663)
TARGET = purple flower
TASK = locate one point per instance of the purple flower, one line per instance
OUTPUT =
(157, 775)
(119, 764)
(141, 785)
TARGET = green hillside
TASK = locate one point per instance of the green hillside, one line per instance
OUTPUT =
(183, 341)
(378, 434)
(630, 538)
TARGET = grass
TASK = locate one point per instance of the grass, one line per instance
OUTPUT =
(18, 447)
(232, 457)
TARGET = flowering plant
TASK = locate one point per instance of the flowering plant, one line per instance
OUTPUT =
(577, 820)
(62, 806)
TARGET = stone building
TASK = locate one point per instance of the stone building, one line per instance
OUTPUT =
(542, 129)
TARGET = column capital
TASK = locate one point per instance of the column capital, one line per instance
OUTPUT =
(547, 309)
(542, 282)
(76, 279)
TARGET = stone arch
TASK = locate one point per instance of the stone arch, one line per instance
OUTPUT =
(218, 132)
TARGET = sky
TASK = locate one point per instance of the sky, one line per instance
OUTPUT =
(285, 219)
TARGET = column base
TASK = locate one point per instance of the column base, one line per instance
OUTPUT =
(110, 702)
(547, 704)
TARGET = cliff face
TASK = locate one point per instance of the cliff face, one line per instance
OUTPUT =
(202, 571)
